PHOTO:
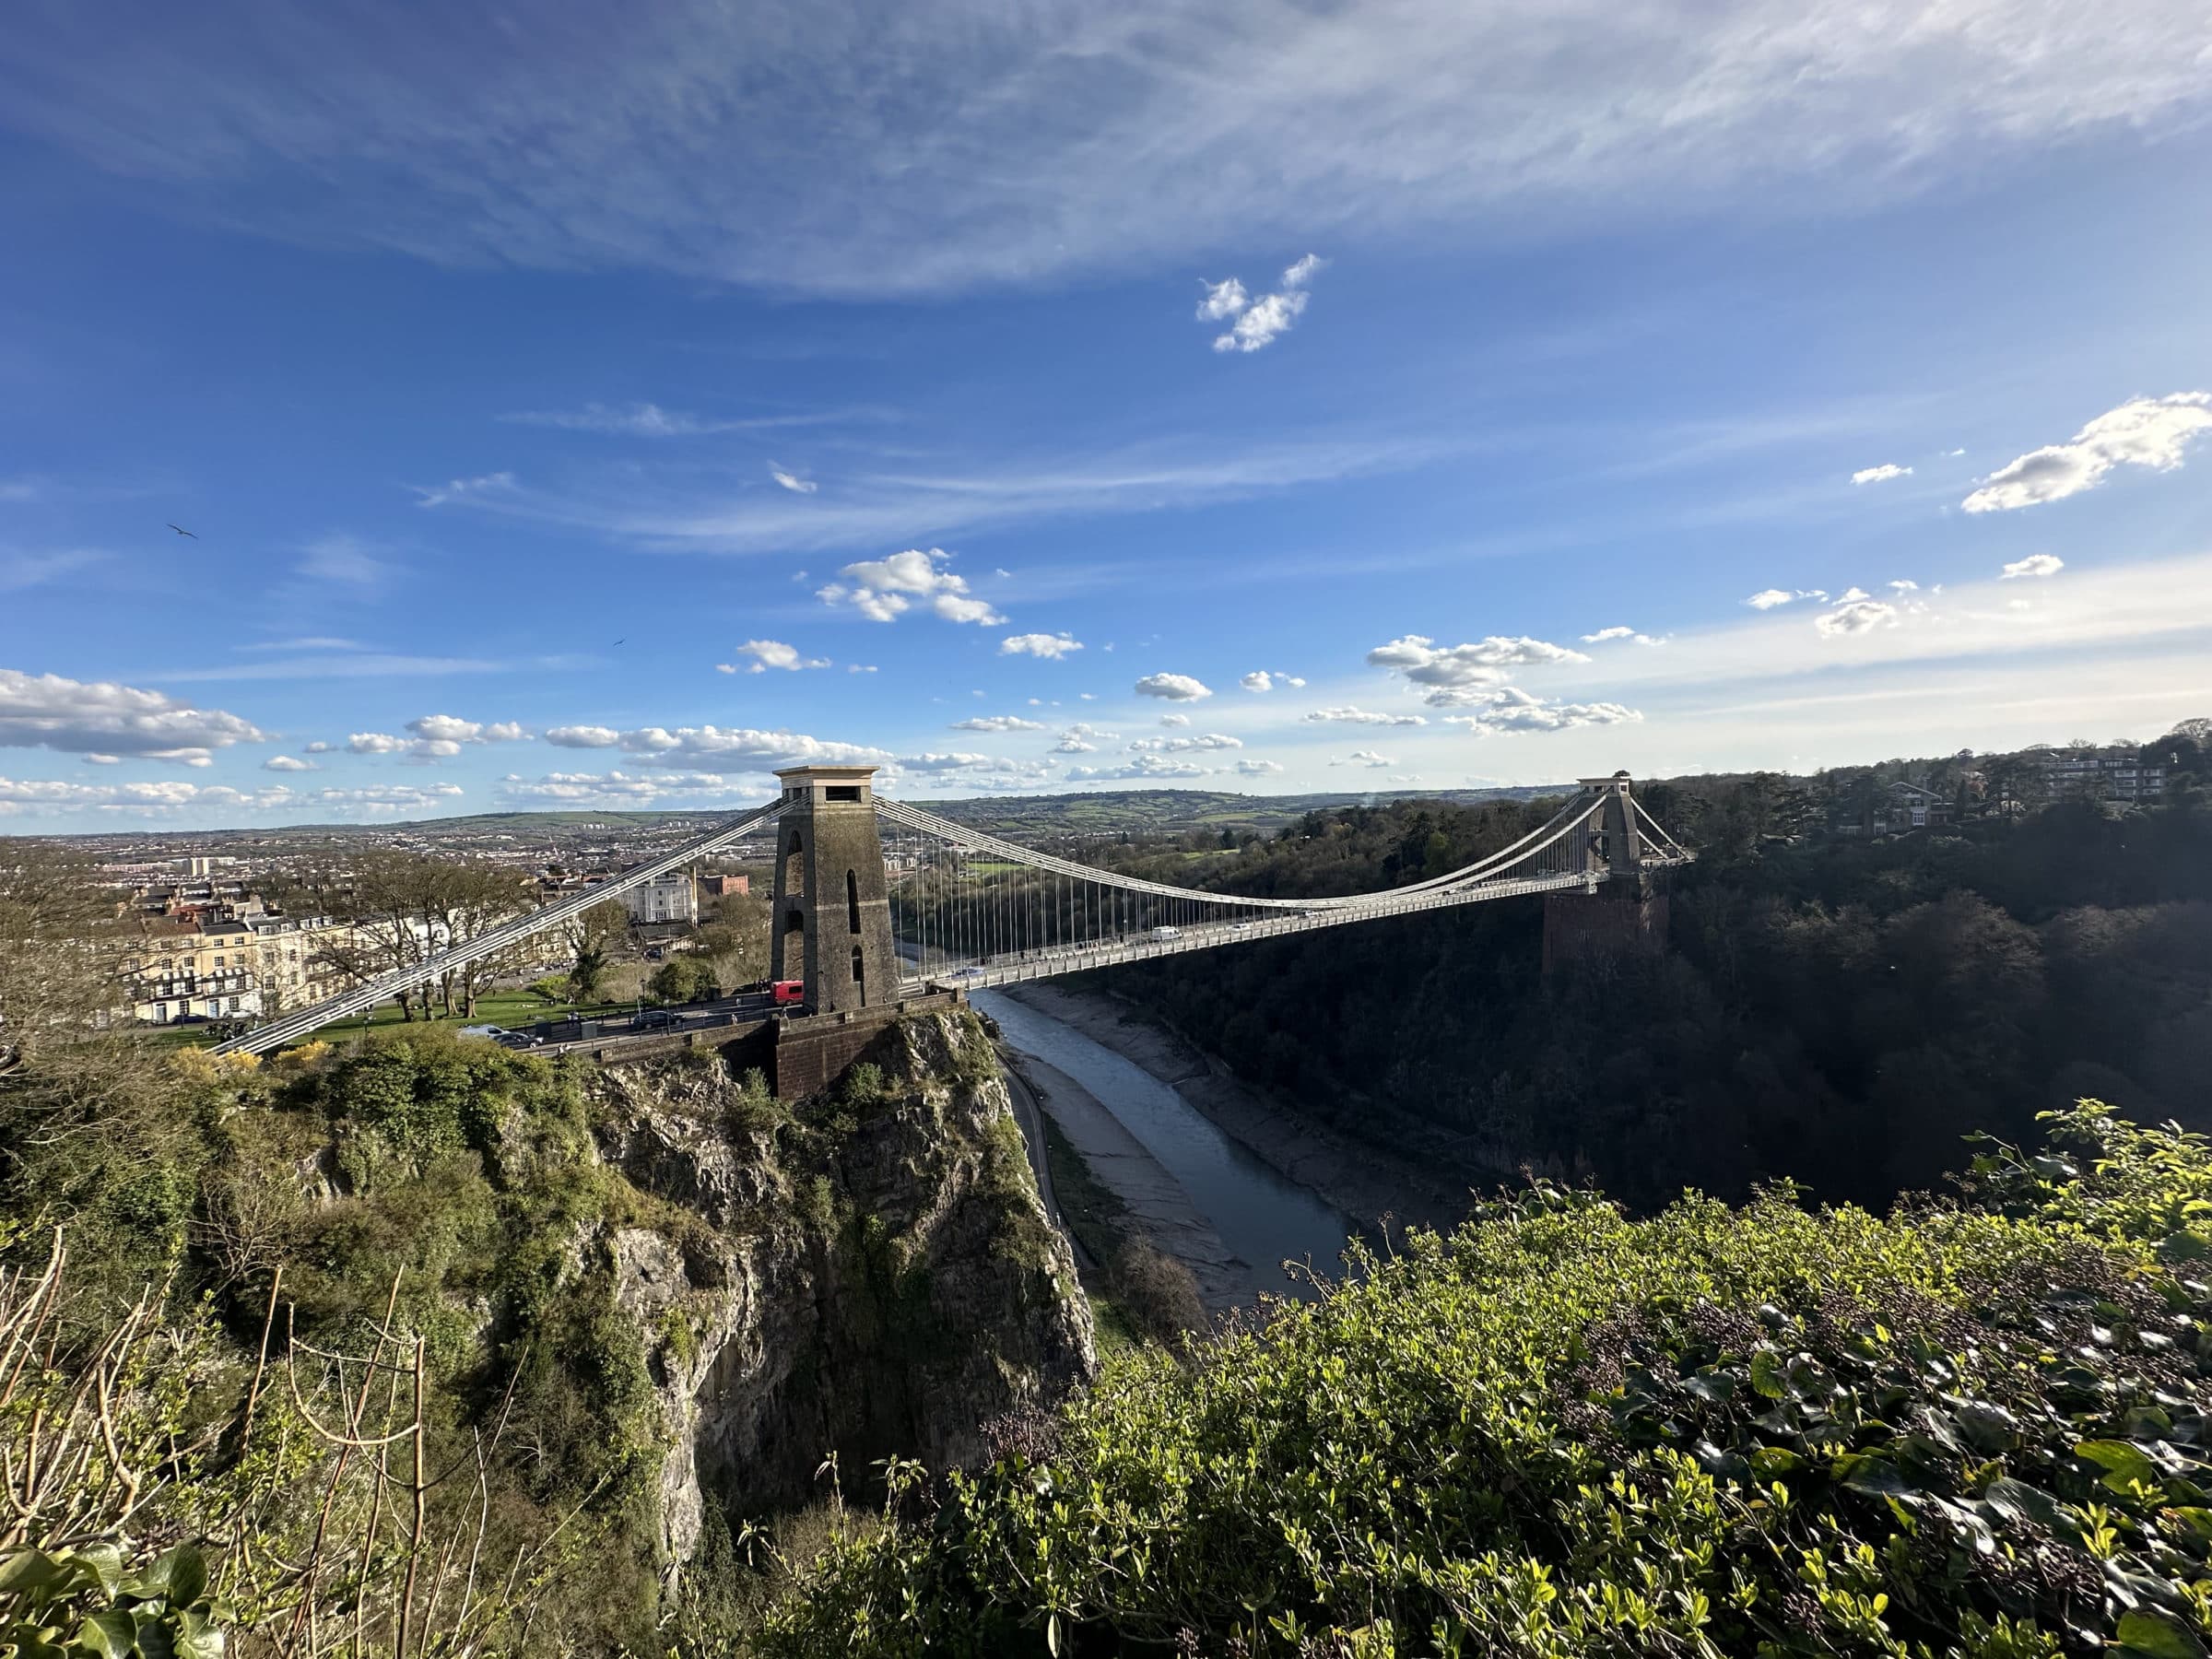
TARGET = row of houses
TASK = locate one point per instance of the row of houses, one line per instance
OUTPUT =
(234, 968)
(2119, 775)
(211, 951)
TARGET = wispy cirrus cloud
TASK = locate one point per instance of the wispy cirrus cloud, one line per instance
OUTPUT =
(21, 570)
(651, 421)
(675, 509)
(1007, 146)
(345, 561)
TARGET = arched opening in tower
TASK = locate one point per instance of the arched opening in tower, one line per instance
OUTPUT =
(853, 899)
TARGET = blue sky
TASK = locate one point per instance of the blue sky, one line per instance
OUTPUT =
(604, 408)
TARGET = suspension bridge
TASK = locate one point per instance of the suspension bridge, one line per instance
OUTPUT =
(877, 902)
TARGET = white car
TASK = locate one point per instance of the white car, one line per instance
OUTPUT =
(1164, 934)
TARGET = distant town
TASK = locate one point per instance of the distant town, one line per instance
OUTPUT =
(240, 925)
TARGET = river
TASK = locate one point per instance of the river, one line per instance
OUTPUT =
(1261, 1216)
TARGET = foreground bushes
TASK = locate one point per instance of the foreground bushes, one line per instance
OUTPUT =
(1974, 1431)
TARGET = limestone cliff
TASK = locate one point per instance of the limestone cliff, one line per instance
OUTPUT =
(868, 1273)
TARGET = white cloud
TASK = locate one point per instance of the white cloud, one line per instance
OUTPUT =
(170, 799)
(1858, 614)
(791, 480)
(1080, 740)
(1457, 674)
(883, 589)
(2144, 431)
(709, 748)
(386, 797)
(1175, 687)
(583, 737)
(860, 667)
(1223, 299)
(997, 722)
(618, 789)
(1054, 646)
(774, 654)
(286, 763)
(454, 490)
(2035, 564)
(1356, 716)
(1174, 720)
(1262, 679)
(1880, 475)
(1629, 634)
(1770, 598)
(1184, 746)
(1144, 767)
(447, 728)
(1259, 768)
(436, 737)
(1264, 321)
(1905, 585)
(101, 717)
(1258, 322)
(1851, 595)
(319, 747)
(1364, 758)
(1509, 709)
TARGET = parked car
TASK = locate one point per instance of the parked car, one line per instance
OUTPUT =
(656, 1020)
(519, 1040)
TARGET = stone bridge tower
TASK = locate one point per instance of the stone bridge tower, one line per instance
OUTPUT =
(832, 925)
(1624, 915)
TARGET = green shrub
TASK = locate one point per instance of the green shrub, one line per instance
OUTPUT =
(1954, 1432)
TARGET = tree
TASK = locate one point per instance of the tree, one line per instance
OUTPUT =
(402, 907)
(592, 939)
(60, 948)
(686, 979)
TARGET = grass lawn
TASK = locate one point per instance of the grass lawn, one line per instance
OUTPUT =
(512, 1008)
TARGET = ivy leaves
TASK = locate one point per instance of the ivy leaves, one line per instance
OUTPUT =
(90, 1602)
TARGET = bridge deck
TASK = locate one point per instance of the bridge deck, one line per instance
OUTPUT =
(1016, 968)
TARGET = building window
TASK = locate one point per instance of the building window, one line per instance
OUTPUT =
(860, 978)
(853, 899)
(841, 792)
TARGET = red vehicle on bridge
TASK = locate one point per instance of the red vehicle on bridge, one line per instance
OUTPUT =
(789, 994)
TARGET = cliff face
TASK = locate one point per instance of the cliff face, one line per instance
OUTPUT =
(868, 1274)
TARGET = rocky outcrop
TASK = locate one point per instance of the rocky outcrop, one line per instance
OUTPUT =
(868, 1273)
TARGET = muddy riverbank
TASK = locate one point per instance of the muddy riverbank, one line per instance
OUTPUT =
(1359, 1183)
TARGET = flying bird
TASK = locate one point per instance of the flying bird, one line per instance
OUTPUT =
(619, 641)
(182, 531)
